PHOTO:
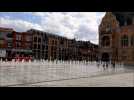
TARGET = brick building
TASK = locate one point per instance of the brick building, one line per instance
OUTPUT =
(15, 43)
(50, 46)
(44, 45)
(87, 50)
(5, 41)
(22, 44)
(72, 50)
(116, 37)
(39, 44)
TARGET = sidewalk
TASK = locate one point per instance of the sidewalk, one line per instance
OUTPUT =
(115, 80)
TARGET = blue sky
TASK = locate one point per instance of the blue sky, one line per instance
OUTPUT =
(79, 25)
(24, 16)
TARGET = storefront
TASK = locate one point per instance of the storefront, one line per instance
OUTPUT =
(12, 53)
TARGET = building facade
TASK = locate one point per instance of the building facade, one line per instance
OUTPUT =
(39, 44)
(22, 44)
(116, 37)
(6, 41)
(52, 47)
(87, 51)
(14, 43)
(44, 45)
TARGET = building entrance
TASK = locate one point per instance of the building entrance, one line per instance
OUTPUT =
(105, 57)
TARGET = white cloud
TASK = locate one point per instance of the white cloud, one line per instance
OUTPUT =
(18, 25)
(83, 25)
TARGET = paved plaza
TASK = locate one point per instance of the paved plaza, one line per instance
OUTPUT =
(116, 80)
(82, 74)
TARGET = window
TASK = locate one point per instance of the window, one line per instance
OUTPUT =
(18, 44)
(132, 41)
(38, 46)
(43, 47)
(9, 45)
(124, 41)
(51, 48)
(53, 42)
(18, 37)
(46, 47)
(28, 38)
(1, 35)
(39, 39)
(105, 41)
(35, 39)
(1, 43)
(61, 42)
(108, 29)
(28, 45)
(35, 46)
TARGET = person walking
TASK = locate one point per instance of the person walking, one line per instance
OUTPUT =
(104, 63)
(113, 64)
(107, 64)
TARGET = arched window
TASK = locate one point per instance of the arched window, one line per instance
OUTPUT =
(105, 41)
(124, 41)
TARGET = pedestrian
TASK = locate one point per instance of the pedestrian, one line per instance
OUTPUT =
(104, 65)
(98, 63)
(113, 64)
(107, 64)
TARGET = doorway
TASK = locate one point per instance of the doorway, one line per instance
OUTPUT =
(105, 57)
